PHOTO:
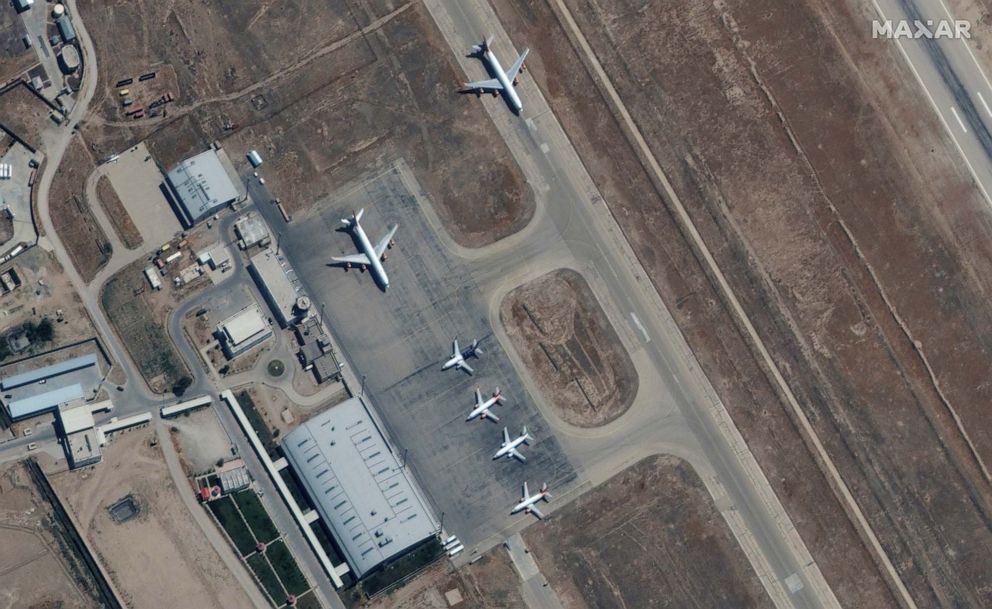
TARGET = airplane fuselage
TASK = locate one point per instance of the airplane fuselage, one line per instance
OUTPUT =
(453, 361)
(375, 265)
(482, 409)
(527, 502)
(505, 450)
(508, 88)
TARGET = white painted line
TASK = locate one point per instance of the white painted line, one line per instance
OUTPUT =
(640, 327)
(940, 115)
(982, 99)
(955, 113)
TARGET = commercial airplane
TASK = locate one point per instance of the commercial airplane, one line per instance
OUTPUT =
(458, 356)
(371, 257)
(508, 448)
(527, 501)
(504, 81)
(482, 406)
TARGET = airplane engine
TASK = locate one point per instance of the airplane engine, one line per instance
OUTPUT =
(384, 256)
(392, 242)
(362, 268)
(516, 82)
(495, 93)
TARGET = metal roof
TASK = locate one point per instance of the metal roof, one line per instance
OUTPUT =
(362, 494)
(244, 324)
(66, 30)
(273, 277)
(37, 404)
(201, 184)
(48, 372)
(76, 419)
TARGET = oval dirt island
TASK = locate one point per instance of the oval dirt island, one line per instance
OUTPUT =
(559, 330)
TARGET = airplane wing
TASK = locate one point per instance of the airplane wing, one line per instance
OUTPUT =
(487, 414)
(515, 68)
(485, 85)
(506, 436)
(353, 259)
(455, 351)
(384, 242)
(526, 492)
(533, 510)
(516, 454)
(465, 367)
(478, 397)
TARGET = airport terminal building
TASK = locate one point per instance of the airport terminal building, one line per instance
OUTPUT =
(367, 500)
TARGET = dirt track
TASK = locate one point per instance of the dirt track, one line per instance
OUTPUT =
(840, 244)
(325, 91)
(559, 329)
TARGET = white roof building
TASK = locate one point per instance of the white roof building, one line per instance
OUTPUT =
(242, 331)
(202, 184)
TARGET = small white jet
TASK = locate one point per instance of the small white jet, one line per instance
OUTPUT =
(527, 501)
(370, 258)
(504, 81)
(482, 406)
(508, 448)
(458, 356)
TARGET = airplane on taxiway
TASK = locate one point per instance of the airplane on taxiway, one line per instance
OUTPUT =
(504, 81)
(370, 258)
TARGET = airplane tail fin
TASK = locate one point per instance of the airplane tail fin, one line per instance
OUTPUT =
(354, 219)
(544, 492)
(498, 395)
(475, 348)
(483, 46)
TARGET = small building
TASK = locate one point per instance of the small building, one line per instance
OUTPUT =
(233, 476)
(80, 437)
(316, 352)
(69, 59)
(242, 331)
(254, 158)
(250, 229)
(202, 184)
(9, 280)
(22, 5)
(151, 274)
(366, 499)
(66, 30)
(273, 276)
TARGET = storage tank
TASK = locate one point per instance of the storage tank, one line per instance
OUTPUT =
(58, 10)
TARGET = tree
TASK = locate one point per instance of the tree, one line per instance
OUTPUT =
(180, 386)
(45, 330)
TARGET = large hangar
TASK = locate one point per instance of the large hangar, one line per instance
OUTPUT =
(366, 499)
(201, 185)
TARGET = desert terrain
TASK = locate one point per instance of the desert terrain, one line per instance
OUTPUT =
(78, 229)
(834, 225)
(559, 329)
(158, 559)
(318, 88)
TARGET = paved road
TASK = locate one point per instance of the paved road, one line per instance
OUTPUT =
(953, 81)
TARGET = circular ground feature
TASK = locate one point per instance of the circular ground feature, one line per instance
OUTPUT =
(276, 368)
(571, 350)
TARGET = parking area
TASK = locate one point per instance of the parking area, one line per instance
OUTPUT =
(398, 340)
(15, 194)
(137, 180)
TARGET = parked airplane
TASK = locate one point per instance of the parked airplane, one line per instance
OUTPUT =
(458, 356)
(482, 406)
(527, 501)
(508, 448)
(371, 257)
(504, 81)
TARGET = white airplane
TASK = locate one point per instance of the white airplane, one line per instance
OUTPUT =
(458, 356)
(371, 257)
(505, 81)
(508, 448)
(482, 406)
(527, 501)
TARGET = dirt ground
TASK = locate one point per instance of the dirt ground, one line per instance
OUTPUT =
(79, 231)
(648, 537)
(44, 291)
(324, 91)
(33, 565)
(24, 114)
(200, 440)
(14, 58)
(274, 406)
(159, 559)
(847, 235)
(559, 329)
(114, 208)
(490, 583)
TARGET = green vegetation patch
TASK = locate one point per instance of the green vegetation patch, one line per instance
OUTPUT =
(309, 601)
(257, 422)
(287, 569)
(265, 574)
(256, 516)
(229, 518)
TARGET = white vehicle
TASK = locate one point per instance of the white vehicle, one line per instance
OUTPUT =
(508, 448)
(482, 406)
(527, 501)
(371, 258)
(504, 81)
(458, 356)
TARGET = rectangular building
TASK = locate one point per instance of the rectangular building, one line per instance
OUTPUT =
(200, 185)
(365, 498)
(47, 372)
(275, 279)
(43, 402)
(242, 331)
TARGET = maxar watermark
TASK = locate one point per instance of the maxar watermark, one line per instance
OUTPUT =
(902, 28)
